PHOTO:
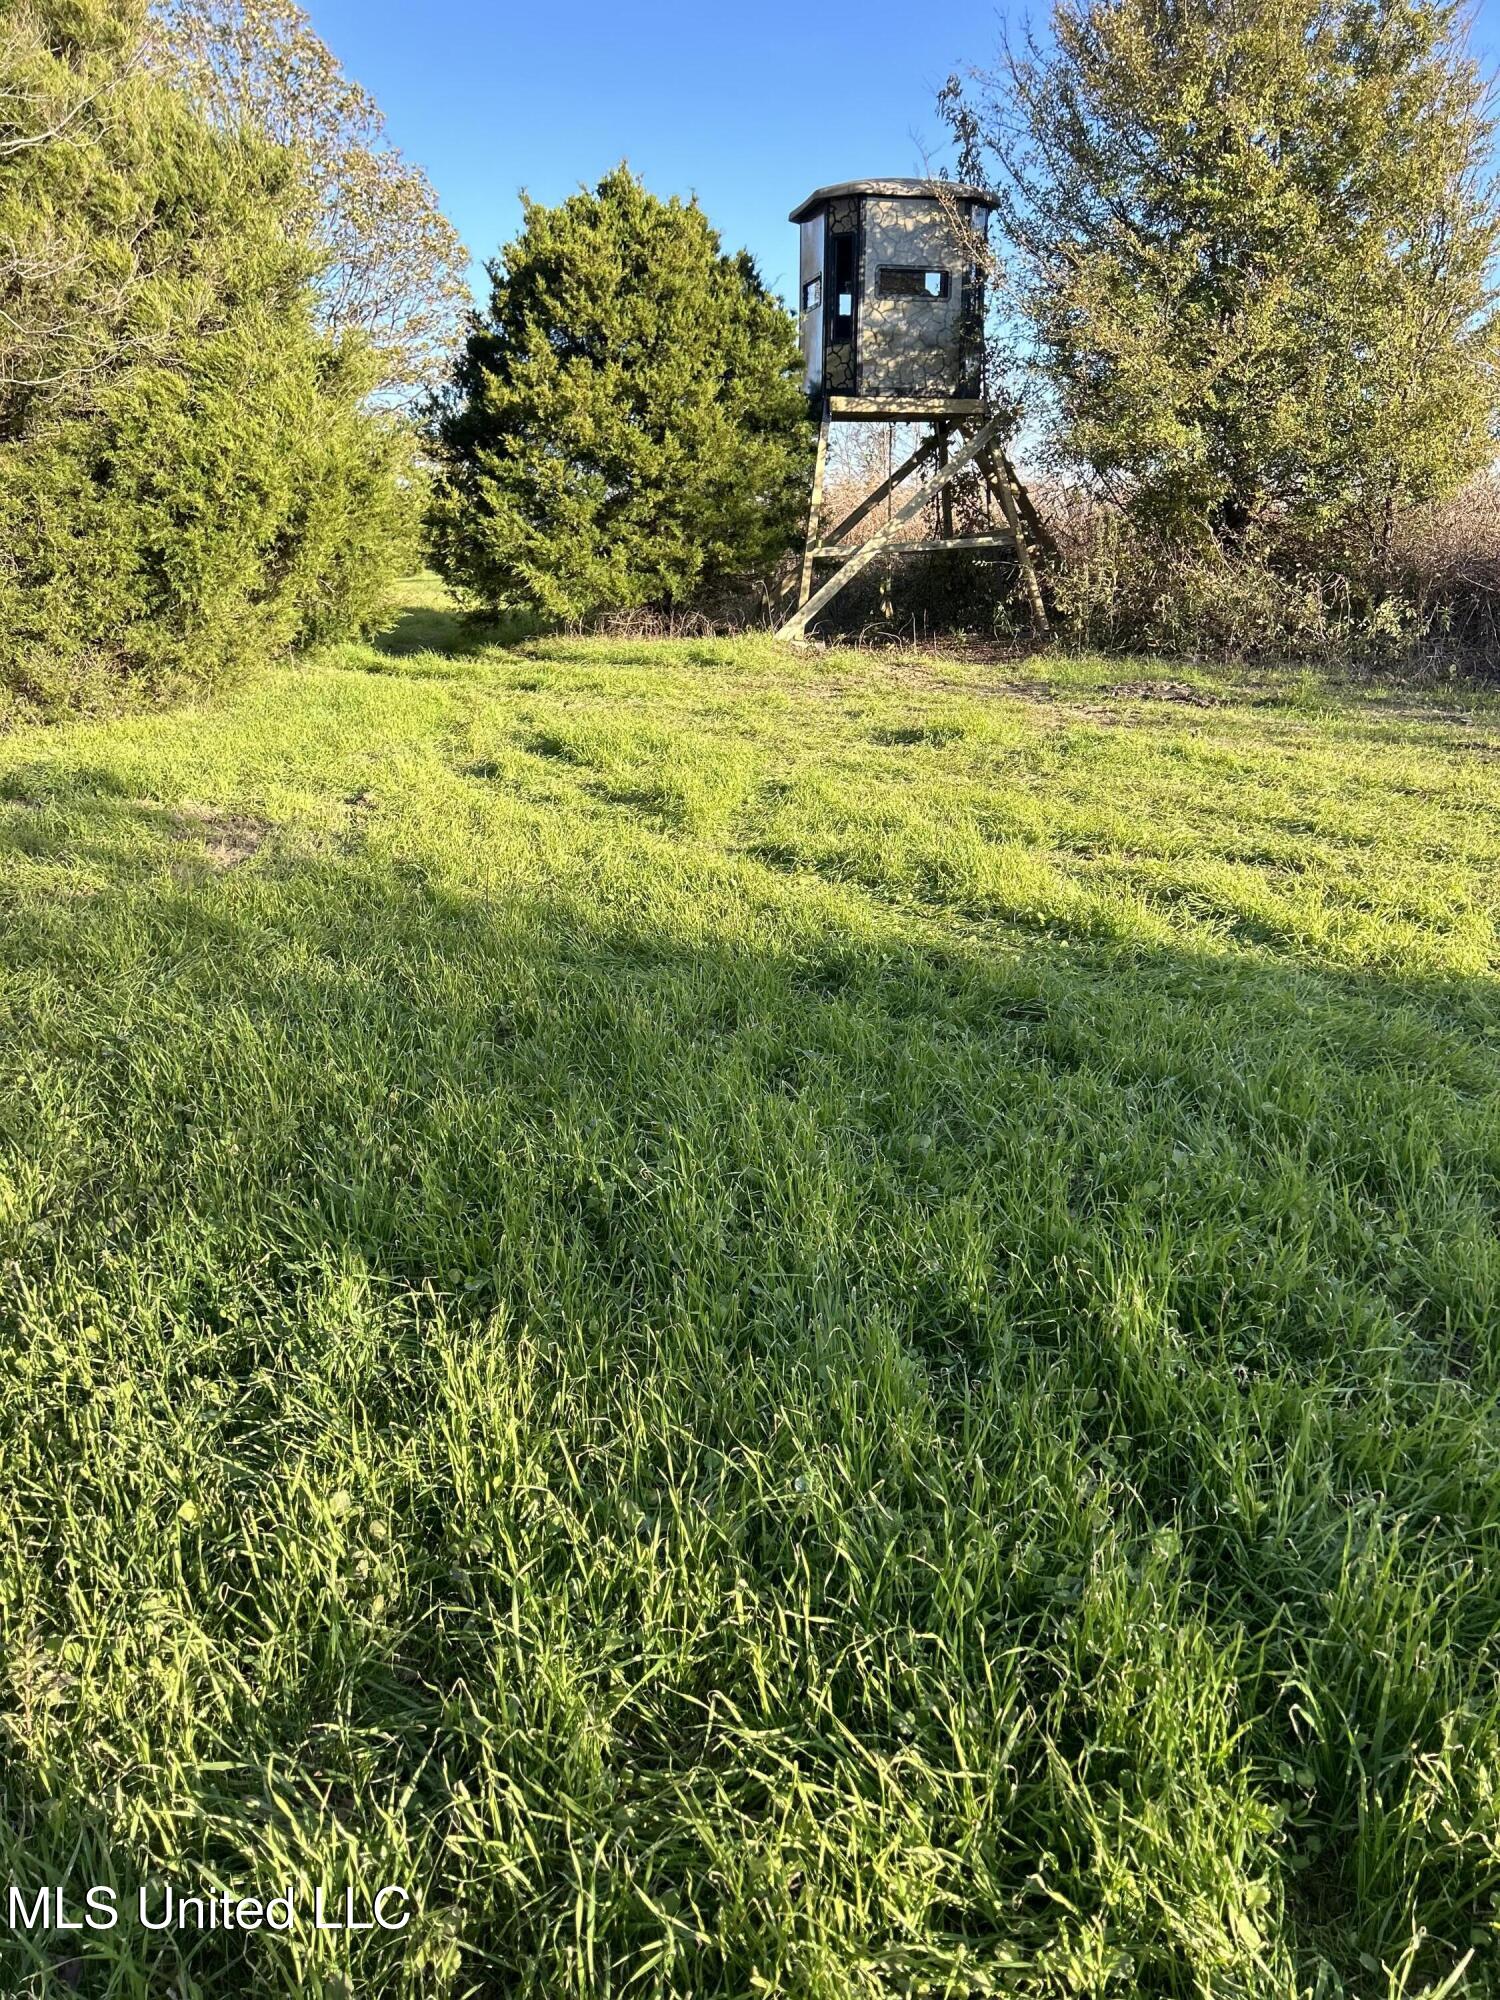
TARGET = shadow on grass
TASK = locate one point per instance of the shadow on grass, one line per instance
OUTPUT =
(766, 1352)
(442, 628)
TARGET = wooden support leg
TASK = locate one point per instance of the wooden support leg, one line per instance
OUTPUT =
(1035, 525)
(814, 510)
(999, 482)
(1041, 537)
(861, 557)
(945, 496)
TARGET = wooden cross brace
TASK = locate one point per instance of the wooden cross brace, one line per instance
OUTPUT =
(861, 557)
(979, 447)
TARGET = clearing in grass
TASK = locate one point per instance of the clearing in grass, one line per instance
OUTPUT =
(814, 1326)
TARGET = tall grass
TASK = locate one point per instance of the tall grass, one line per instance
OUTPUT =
(807, 1328)
(1448, 556)
(1423, 595)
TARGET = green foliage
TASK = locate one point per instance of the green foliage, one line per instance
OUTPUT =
(831, 1337)
(1253, 246)
(625, 427)
(189, 477)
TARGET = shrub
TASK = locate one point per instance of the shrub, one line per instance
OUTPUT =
(1447, 557)
(1121, 586)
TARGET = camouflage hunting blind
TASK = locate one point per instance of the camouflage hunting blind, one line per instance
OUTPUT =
(891, 302)
(891, 317)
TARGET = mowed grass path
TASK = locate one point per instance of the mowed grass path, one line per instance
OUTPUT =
(775, 1325)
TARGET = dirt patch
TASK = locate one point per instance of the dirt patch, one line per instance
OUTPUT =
(227, 838)
(1416, 712)
(1042, 691)
(1181, 691)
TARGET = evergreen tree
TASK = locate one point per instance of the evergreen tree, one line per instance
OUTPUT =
(190, 476)
(1253, 243)
(625, 425)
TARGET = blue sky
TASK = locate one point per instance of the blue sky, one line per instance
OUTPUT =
(748, 106)
(732, 102)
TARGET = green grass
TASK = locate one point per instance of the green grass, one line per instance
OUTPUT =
(815, 1325)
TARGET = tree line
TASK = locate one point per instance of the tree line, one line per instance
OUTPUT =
(1242, 273)
(1246, 255)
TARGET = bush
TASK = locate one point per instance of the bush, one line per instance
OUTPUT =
(1447, 557)
(1119, 586)
(190, 478)
(1432, 599)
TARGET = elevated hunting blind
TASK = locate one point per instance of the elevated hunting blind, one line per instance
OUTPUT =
(891, 318)
(892, 301)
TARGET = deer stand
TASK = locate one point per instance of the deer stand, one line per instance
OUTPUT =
(982, 449)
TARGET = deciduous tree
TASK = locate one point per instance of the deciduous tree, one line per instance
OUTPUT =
(1253, 245)
(393, 265)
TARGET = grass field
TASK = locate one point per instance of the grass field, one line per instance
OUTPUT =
(812, 1325)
